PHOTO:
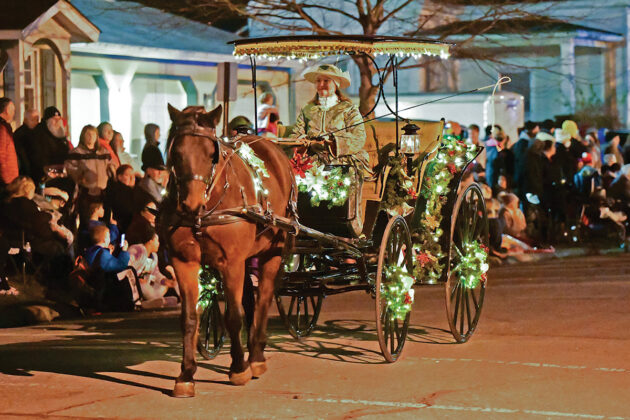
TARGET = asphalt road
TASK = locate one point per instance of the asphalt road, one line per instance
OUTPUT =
(553, 342)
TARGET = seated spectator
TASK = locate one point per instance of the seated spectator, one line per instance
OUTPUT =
(513, 217)
(118, 146)
(52, 201)
(602, 221)
(152, 186)
(154, 285)
(23, 220)
(96, 213)
(502, 186)
(620, 187)
(111, 293)
(119, 197)
(610, 169)
(142, 222)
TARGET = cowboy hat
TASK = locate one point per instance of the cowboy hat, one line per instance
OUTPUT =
(342, 78)
(572, 128)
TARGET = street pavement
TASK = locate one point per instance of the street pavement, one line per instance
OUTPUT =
(553, 342)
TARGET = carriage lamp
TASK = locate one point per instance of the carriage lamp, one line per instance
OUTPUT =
(410, 143)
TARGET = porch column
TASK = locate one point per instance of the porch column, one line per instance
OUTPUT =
(15, 54)
(626, 117)
(567, 70)
(610, 79)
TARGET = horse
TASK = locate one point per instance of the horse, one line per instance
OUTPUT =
(201, 222)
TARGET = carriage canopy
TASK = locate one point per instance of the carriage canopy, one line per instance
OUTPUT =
(318, 46)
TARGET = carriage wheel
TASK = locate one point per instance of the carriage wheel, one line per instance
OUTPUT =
(299, 313)
(463, 302)
(395, 251)
(211, 330)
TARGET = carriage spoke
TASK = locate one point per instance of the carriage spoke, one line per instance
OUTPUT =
(461, 315)
(297, 315)
(468, 311)
(456, 303)
(392, 349)
(474, 298)
(306, 311)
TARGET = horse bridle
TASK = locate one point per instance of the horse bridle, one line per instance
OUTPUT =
(193, 129)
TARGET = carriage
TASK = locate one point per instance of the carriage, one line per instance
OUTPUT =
(406, 221)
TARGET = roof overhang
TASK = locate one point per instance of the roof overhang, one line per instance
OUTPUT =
(68, 17)
(515, 33)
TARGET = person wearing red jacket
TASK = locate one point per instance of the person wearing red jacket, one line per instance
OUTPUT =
(9, 169)
(105, 136)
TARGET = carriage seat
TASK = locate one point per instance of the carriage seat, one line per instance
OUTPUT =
(381, 133)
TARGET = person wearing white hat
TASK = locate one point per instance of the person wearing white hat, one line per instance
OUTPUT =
(331, 110)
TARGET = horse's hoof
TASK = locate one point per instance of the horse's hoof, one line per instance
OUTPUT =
(240, 378)
(258, 368)
(184, 390)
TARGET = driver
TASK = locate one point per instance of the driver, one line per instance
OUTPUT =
(331, 110)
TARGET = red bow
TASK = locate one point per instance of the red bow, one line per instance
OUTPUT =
(300, 164)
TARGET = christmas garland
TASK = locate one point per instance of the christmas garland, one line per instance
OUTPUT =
(322, 184)
(472, 266)
(208, 286)
(257, 164)
(398, 189)
(397, 291)
(449, 161)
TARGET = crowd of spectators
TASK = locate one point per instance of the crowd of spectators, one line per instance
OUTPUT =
(554, 185)
(84, 214)
(93, 207)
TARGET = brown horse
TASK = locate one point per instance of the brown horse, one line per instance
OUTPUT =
(201, 223)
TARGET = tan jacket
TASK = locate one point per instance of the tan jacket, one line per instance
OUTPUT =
(90, 169)
(314, 121)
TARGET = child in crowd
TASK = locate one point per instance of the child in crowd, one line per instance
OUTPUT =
(153, 284)
(111, 293)
(96, 212)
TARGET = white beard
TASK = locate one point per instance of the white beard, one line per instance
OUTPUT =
(328, 101)
(57, 130)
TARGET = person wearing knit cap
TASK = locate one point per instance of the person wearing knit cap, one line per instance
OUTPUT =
(51, 146)
(331, 110)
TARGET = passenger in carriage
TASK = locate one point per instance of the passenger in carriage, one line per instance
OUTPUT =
(331, 110)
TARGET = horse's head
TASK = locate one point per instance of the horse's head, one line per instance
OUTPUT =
(193, 154)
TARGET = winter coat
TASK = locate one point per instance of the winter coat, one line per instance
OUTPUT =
(152, 281)
(9, 169)
(105, 145)
(151, 155)
(101, 257)
(90, 168)
(314, 121)
(620, 189)
(119, 202)
(24, 143)
(46, 150)
(519, 149)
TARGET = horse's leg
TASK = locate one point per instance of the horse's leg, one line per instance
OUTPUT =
(240, 373)
(187, 276)
(258, 333)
